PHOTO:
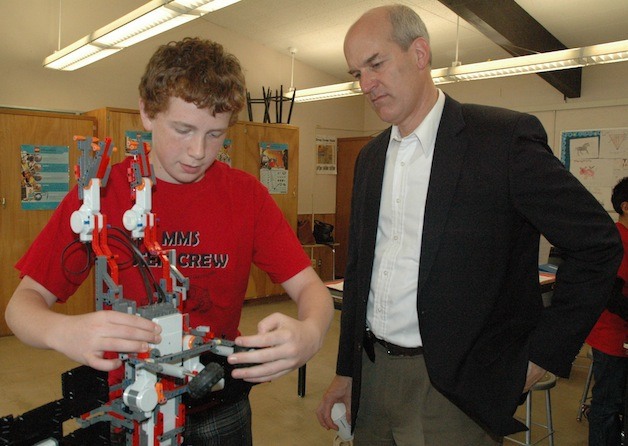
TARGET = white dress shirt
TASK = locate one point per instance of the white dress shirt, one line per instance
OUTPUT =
(392, 308)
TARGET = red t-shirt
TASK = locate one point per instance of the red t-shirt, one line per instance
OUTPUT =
(218, 227)
(611, 331)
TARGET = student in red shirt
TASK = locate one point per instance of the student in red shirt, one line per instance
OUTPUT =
(219, 220)
(607, 339)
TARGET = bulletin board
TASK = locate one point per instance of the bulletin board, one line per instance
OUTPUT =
(598, 158)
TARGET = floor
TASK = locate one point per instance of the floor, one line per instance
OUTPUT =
(30, 378)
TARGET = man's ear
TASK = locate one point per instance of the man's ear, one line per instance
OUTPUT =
(146, 121)
(624, 207)
(423, 52)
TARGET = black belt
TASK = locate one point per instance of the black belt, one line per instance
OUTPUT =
(393, 350)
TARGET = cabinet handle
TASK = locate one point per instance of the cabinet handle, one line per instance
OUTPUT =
(3, 201)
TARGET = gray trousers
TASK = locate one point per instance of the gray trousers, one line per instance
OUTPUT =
(400, 407)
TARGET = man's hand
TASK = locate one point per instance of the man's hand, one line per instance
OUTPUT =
(282, 344)
(339, 391)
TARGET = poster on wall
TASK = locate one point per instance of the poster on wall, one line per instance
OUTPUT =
(132, 137)
(273, 172)
(45, 176)
(598, 158)
(326, 147)
(225, 153)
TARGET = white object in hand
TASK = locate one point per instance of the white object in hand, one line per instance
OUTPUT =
(339, 417)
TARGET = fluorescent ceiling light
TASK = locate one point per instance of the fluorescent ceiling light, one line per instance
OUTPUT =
(82, 56)
(326, 92)
(535, 63)
(155, 17)
(513, 66)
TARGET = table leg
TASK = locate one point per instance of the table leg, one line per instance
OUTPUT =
(301, 383)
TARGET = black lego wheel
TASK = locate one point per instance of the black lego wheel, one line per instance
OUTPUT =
(202, 383)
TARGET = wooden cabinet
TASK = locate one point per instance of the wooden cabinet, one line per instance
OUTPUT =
(245, 155)
(348, 150)
(18, 227)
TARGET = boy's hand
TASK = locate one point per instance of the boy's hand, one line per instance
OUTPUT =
(86, 338)
(283, 344)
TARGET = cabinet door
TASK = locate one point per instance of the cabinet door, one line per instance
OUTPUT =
(276, 134)
(18, 227)
(245, 155)
(348, 150)
(114, 123)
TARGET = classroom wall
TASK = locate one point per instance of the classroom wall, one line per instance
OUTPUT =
(602, 103)
(113, 82)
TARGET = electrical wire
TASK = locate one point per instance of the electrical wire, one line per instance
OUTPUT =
(143, 265)
(151, 285)
(136, 259)
(88, 255)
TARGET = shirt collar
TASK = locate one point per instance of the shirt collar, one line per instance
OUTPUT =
(428, 129)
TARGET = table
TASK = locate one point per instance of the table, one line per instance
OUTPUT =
(546, 280)
(336, 288)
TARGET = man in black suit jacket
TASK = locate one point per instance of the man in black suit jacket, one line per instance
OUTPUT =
(443, 328)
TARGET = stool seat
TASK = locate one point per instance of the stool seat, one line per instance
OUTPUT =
(545, 384)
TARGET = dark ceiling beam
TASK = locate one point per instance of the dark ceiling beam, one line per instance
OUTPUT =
(511, 27)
